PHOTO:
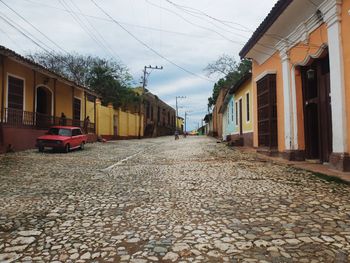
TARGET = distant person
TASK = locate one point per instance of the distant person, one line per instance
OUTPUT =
(176, 135)
(86, 124)
(63, 119)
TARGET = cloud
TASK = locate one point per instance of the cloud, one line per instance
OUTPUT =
(188, 45)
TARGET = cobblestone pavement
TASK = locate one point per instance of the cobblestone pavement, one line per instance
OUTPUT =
(160, 200)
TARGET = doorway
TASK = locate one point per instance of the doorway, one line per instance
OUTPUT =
(43, 107)
(317, 109)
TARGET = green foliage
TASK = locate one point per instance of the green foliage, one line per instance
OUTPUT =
(232, 72)
(107, 77)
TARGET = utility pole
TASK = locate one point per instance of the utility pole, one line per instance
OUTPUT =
(177, 108)
(186, 113)
(144, 84)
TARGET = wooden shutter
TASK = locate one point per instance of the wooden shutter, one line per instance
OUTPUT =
(267, 111)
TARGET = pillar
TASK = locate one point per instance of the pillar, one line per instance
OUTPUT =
(97, 115)
(290, 117)
(111, 113)
(339, 158)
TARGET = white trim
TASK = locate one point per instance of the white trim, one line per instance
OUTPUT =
(246, 108)
(286, 101)
(7, 89)
(236, 122)
(294, 111)
(309, 57)
(264, 74)
(81, 105)
(337, 89)
(36, 95)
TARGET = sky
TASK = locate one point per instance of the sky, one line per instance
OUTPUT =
(183, 36)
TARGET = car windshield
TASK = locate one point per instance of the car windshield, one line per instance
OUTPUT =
(60, 131)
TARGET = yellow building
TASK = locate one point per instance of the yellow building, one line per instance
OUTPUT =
(237, 114)
(33, 98)
(180, 124)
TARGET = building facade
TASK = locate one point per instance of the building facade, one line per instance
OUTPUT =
(237, 113)
(217, 114)
(33, 98)
(159, 118)
(180, 122)
(301, 78)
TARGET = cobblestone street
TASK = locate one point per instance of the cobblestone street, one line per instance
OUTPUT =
(160, 200)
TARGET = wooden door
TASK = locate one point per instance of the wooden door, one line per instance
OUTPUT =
(317, 110)
(76, 112)
(267, 112)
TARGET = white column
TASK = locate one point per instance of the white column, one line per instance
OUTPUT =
(332, 18)
(295, 145)
(287, 100)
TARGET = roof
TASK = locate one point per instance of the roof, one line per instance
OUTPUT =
(233, 89)
(19, 58)
(240, 82)
(274, 14)
(208, 117)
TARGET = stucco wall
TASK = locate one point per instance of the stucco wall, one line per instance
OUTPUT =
(241, 94)
(272, 64)
(299, 55)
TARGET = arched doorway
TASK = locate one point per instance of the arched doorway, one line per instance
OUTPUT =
(43, 107)
(317, 108)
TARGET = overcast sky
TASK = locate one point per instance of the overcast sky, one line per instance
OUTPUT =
(188, 35)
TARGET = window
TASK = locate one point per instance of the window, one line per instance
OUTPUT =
(151, 113)
(76, 109)
(236, 113)
(15, 93)
(76, 132)
(248, 104)
(148, 110)
(232, 111)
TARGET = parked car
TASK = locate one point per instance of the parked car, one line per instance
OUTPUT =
(64, 138)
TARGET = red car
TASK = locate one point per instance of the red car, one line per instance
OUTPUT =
(63, 138)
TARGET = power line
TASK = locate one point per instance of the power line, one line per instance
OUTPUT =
(149, 47)
(103, 42)
(199, 12)
(25, 33)
(81, 24)
(11, 24)
(123, 23)
(194, 24)
(44, 35)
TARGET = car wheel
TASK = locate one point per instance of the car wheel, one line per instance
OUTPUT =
(82, 146)
(41, 149)
(66, 148)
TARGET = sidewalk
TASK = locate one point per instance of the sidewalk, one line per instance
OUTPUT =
(319, 169)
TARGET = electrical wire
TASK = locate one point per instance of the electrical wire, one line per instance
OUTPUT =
(149, 47)
(83, 26)
(123, 23)
(103, 42)
(38, 30)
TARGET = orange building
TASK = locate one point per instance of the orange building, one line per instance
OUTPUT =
(301, 81)
(217, 114)
(32, 98)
